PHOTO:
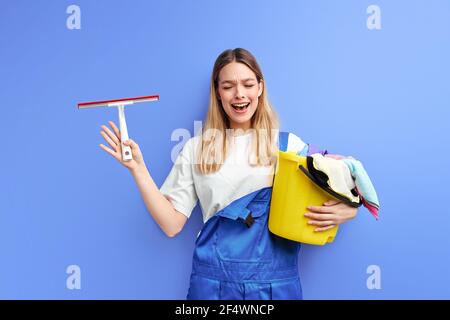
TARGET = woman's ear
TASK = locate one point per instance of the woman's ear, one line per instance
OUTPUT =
(261, 87)
(218, 94)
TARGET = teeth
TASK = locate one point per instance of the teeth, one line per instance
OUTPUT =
(240, 105)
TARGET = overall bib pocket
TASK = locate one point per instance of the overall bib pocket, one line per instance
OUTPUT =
(243, 235)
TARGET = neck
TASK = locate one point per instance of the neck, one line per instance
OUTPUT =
(243, 126)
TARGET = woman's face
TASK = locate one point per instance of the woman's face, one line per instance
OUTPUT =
(239, 90)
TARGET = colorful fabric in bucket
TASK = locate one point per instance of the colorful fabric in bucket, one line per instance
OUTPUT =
(335, 174)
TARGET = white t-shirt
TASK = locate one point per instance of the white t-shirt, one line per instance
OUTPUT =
(184, 186)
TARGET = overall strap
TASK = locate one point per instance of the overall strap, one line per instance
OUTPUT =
(283, 138)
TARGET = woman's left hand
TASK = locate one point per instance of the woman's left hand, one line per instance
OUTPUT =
(331, 214)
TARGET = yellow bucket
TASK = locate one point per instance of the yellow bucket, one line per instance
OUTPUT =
(292, 192)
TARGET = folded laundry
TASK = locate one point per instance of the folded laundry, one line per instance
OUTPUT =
(338, 175)
(321, 180)
(364, 185)
(336, 156)
(371, 207)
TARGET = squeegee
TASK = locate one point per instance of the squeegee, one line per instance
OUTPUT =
(120, 104)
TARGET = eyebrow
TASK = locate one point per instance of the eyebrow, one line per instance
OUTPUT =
(233, 81)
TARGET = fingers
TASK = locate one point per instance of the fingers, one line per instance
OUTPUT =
(324, 221)
(325, 228)
(319, 216)
(320, 223)
(108, 139)
(317, 208)
(323, 224)
(116, 130)
(331, 202)
(320, 209)
(111, 152)
(133, 145)
(323, 216)
(114, 140)
(130, 143)
(113, 137)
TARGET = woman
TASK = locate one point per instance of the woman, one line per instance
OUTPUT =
(229, 169)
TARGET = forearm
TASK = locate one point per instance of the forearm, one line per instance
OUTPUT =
(159, 207)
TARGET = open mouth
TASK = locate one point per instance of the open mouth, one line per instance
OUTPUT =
(240, 106)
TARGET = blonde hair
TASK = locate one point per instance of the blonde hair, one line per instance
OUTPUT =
(215, 143)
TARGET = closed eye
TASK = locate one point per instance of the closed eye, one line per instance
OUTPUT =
(247, 86)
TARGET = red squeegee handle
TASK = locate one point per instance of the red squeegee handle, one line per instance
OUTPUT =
(105, 102)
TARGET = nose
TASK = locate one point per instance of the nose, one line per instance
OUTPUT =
(239, 93)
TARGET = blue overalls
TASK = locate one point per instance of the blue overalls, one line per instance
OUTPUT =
(237, 258)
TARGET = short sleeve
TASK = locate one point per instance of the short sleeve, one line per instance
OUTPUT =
(179, 187)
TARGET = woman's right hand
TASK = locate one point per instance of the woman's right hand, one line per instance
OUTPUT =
(113, 139)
